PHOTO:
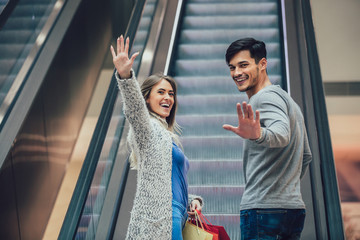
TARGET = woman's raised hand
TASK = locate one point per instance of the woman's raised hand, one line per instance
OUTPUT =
(121, 59)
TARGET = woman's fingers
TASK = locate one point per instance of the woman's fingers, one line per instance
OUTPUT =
(121, 43)
(132, 59)
(112, 51)
(127, 45)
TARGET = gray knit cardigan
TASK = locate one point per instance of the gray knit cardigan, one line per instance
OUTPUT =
(151, 215)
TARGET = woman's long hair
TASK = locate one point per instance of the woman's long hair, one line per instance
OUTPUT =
(170, 124)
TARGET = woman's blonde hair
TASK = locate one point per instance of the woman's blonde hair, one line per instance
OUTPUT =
(170, 123)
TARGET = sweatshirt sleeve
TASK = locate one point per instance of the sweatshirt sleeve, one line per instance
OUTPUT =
(135, 108)
(307, 156)
(274, 120)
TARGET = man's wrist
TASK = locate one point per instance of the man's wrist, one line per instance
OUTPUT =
(261, 134)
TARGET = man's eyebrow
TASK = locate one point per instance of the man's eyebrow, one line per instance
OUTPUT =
(239, 63)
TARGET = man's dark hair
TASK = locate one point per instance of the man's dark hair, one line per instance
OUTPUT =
(257, 49)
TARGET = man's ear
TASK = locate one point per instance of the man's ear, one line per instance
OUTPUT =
(263, 64)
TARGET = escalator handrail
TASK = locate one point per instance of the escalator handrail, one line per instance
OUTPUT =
(78, 200)
(328, 172)
(6, 12)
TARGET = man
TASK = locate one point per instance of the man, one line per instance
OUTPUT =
(276, 151)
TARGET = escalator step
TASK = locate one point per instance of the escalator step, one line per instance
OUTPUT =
(25, 10)
(227, 36)
(213, 147)
(226, 9)
(214, 202)
(216, 51)
(16, 36)
(215, 67)
(211, 84)
(209, 104)
(26, 23)
(239, 22)
(206, 173)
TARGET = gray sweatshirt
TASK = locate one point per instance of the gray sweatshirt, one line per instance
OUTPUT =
(274, 164)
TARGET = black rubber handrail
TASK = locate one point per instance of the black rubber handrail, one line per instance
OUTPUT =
(328, 172)
(78, 200)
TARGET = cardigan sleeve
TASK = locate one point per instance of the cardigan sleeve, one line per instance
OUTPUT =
(135, 109)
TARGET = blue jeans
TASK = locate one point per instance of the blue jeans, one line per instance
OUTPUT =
(179, 217)
(271, 223)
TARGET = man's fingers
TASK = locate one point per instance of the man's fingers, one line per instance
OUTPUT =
(257, 116)
(239, 112)
(250, 112)
(244, 109)
(229, 127)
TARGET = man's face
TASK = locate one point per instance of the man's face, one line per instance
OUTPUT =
(244, 71)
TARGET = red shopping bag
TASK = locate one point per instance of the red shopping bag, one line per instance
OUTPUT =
(217, 230)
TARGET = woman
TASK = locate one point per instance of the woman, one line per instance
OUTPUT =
(161, 199)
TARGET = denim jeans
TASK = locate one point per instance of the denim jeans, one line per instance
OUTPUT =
(271, 223)
(179, 217)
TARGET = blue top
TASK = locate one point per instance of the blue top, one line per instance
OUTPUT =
(180, 167)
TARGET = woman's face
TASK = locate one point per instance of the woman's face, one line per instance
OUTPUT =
(161, 98)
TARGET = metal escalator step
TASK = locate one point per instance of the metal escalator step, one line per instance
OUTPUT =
(206, 85)
(29, 9)
(202, 125)
(210, 104)
(231, 1)
(206, 172)
(211, 84)
(216, 67)
(6, 82)
(225, 22)
(226, 36)
(205, 8)
(10, 50)
(26, 23)
(145, 23)
(217, 51)
(215, 147)
(219, 199)
(6, 65)
(15, 36)
(149, 9)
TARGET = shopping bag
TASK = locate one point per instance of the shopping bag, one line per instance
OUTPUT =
(218, 231)
(194, 230)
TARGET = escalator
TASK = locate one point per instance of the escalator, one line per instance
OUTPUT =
(188, 40)
(48, 72)
(200, 34)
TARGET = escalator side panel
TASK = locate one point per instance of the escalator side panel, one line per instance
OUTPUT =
(48, 133)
